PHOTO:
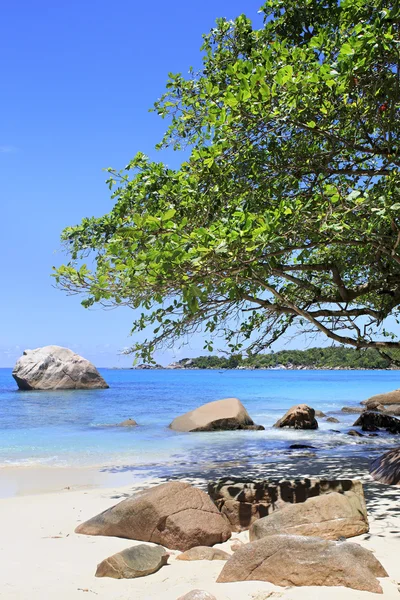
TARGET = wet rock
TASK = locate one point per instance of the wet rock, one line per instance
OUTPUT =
(299, 417)
(352, 409)
(332, 420)
(203, 553)
(300, 447)
(137, 561)
(127, 423)
(319, 414)
(56, 368)
(386, 468)
(354, 433)
(291, 560)
(244, 501)
(372, 421)
(226, 414)
(175, 514)
(330, 517)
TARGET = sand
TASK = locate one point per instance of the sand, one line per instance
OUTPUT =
(42, 558)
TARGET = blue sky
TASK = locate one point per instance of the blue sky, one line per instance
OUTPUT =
(78, 79)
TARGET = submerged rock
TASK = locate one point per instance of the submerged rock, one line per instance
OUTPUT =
(301, 447)
(127, 423)
(175, 514)
(332, 420)
(137, 561)
(56, 368)
(354, 433)
(319, 414)
(386, 468)
(352, 409)
(299, 417)
(330, 517)
(220, 415)
(292, 560)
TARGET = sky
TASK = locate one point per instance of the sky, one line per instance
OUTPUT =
(77, 81)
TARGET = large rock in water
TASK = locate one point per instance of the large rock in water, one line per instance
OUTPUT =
(292, 560)
(387, 398)
(225, 414)
(330, 517)
(137, 561)
(56, 368)
(386, 468)
(299, 417)
(174, 514)
(244, 501)
(371, 421)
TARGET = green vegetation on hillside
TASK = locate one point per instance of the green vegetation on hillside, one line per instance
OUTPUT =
(317, 358)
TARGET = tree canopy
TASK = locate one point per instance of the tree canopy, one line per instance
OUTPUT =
(287, 209)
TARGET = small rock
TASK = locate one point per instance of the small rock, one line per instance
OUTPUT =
(332, 420)
(320, 414)
(203, 553)
(352, 409)
(236, 545)
(354, 433)
(137, 561)
(298, 417)
(127, 423)
(197, 595)
(300, 446)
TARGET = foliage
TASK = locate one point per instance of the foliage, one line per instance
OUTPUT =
(287, 209)
(314, 358)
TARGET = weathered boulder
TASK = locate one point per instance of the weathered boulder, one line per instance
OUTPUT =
(127, 423)
(197, 595)
(56, 368)
(299, 417)
(387, 398)
(332, 420)
(203, 553)
(244, 501)
(372, 421)
(330, 517)
(292, 560)
(137, 561)
(175, 514)
(225, 414)
(352, 409)
(386, 468)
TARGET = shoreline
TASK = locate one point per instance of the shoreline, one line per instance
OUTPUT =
(42, 537)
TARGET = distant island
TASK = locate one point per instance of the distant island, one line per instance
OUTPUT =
(313, 358)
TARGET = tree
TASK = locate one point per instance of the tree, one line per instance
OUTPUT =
(286, 211)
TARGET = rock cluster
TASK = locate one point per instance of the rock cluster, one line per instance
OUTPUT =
(56, 368)
(225, 414)
(175, 514)
(244, 501)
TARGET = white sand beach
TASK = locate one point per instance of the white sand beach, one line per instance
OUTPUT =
(41, 557)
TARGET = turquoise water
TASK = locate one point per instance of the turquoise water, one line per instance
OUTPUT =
(73, 427)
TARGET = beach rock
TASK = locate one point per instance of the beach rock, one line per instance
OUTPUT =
(244, 501)
(299, 417)
(220, 415)
(352, 409)
(174, 514)
(386, 468)
(372, 421)
(319, 414)
(292, 560)
(137, 561)
(236, 545)
(332, 420)
(197, 595)
(330, 517)
(203, 553)
(56, 368)
(387, 398)
(354, 433)
(127, 423)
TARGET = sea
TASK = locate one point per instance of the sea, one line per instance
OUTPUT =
(78, 428)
